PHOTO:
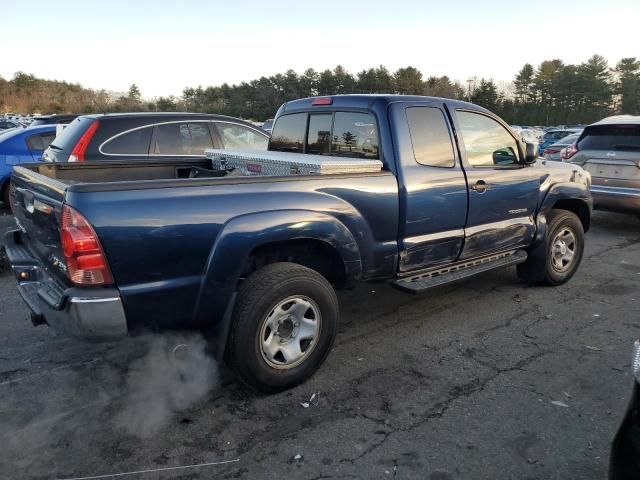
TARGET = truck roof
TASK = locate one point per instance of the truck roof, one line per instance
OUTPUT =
(372, 101)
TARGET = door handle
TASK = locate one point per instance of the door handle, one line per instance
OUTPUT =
(480, 186)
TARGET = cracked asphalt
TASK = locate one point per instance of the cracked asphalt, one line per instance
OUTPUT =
(455, 383)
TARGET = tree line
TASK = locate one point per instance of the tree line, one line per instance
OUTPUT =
(551, 93)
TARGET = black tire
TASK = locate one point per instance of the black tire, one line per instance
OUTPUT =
(257, 298)
(540, 266)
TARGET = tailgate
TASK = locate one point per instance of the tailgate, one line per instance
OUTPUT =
(616, 165)
(37, 205)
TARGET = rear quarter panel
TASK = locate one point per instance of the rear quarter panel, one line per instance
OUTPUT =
(168, 248)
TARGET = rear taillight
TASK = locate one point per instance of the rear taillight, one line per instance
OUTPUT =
(570, 151)
(78, 152)
(549, 151)
(86, 262)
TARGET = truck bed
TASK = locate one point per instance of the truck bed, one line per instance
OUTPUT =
(161, 230)
(119, 175)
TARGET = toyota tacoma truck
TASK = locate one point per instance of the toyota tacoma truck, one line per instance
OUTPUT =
(427, 191)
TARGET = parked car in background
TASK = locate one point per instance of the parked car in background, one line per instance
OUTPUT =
(353, 188)
(9, 124)
(53, 119)
(624, 462)
(22, 145)
(267, 126)
(147, 136)
(610, 151)
(553, 152)
(552, 136)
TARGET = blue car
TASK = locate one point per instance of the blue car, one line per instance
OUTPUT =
(552, 136)
(21, 145)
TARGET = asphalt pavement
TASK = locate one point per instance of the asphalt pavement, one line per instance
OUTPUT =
(485, 379)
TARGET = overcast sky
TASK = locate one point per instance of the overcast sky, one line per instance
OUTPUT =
(164, 46)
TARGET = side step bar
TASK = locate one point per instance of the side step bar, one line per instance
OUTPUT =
(459, 271)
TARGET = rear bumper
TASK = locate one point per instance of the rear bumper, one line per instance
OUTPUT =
(89, 314)
(620, 199)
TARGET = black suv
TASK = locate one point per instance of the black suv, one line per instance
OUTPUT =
(151, 136)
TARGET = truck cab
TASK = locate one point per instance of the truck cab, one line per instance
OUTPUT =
(466, 187)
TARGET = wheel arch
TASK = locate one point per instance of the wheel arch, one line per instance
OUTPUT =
(572, 197)
(254, 240)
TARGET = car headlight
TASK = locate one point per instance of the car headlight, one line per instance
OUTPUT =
(635, 360)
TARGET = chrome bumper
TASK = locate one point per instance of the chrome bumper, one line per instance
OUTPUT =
(89, 314)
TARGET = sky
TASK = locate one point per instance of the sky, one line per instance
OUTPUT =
(164, 46)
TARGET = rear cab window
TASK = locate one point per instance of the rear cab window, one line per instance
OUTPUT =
(342, 134)
(289, 133)
(611, 137)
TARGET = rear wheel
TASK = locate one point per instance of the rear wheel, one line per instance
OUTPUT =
(284, 324)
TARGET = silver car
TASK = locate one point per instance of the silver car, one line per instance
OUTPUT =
(610, 151)
(552, 152)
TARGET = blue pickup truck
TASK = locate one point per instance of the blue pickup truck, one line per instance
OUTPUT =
(106, 249)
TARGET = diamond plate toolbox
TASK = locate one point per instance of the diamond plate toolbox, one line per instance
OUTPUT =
(267, 163)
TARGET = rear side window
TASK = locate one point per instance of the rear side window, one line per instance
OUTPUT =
(319, 136)
(72, 133)
(182, 139)
(134, 142)
(239, 137)
(430, 137)
(288, 133)
(611, 137)
(354, 135)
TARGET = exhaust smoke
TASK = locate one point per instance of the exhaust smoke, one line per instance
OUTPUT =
(176, 373)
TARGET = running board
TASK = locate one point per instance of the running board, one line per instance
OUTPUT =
(459, 271)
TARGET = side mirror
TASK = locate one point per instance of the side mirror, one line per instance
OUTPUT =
(530, 153)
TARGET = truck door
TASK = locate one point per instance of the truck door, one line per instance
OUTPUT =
(503, 192)
(432, 186)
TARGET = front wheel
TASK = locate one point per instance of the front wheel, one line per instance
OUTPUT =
(563, 250)
(284, 324)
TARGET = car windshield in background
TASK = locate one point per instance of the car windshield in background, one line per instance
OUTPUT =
(557, 135)
(611, 137)
(568, 140)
